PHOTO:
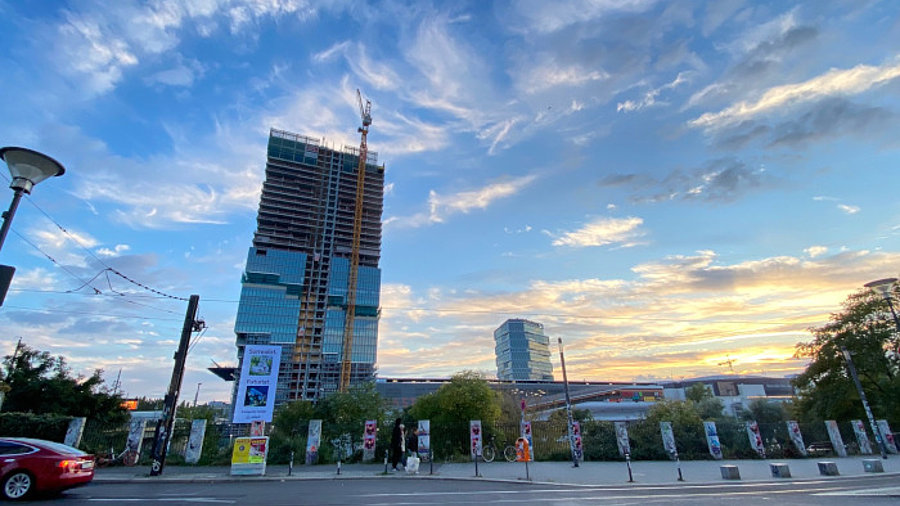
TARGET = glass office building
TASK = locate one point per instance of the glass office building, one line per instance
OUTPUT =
(294, 286)
(522, 351)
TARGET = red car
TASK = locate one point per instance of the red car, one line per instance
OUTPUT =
(34, 465)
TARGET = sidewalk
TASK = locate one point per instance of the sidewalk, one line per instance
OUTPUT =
(587, 474)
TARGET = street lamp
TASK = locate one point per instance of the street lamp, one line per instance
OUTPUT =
(885, 287)
(27, 168)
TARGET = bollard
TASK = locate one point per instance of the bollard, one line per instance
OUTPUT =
(339, 467)
(678, 465)
(628, 464)
(873, 466)
(730, 472)
(385, 462)
(780, 470)
(828, 468)
(430, 461)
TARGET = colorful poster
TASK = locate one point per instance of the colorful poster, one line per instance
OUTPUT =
(622, 439)
(756, 442)
(865, 448)
(313, 439)
(526, 433)
(793, 429)
(369, 433)
(712, 440)
(249, 456)
(885, 430)
(195, 441)
(576, 435)
(475, 437)
(668, 438)
(834, 434)
(257, 428)
(75, 431)
(134, 441)
(424, 449)
(255, 398)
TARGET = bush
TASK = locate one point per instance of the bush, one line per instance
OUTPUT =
(46, 426)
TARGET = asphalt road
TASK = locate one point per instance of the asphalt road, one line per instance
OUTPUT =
(869, 490)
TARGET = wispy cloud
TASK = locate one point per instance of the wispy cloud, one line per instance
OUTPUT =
(848, 208)
(815, 251)
(603, 231)
(649, 98)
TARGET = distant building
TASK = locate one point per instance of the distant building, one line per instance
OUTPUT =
(522, 351)
(294, 285)
(735, 392)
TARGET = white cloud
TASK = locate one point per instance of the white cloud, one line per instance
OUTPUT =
(118, 250)
(848, 209)
(815, 251)
(835, 82)
(649, 98)
(548, 17)
(603, 231)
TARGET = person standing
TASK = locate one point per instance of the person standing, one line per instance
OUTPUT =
(396, 444)
(412, 442)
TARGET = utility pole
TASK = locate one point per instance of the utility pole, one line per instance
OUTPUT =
(165, 423)
(865, 402)
(562, 361)
(197, 394)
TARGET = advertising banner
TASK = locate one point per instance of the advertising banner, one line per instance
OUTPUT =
(865, 448)
(793, 429)
(313, 439)
(834, 434)
(712, 440)
(622, 439)
(134, 441)
(756, 442)
(424, 449)
(885, 430)
(255, 398)
(668, 438)
(475, 437)
(576, 435)
(195, 441)
(371, 429)
(249, 456)
(526, 433)
(75, 431)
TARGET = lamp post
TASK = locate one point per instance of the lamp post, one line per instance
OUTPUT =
(27, 168)
(562, 361)
(879, 437)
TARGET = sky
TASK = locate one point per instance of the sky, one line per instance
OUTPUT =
(674, 188)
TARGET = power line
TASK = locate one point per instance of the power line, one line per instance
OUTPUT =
(85, 313)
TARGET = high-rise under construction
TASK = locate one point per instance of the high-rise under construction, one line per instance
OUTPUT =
(294, 289)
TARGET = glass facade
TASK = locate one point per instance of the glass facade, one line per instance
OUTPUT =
(522, 351)
(270, 289)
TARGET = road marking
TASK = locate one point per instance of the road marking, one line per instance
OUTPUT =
(207, 500)
(884, 491)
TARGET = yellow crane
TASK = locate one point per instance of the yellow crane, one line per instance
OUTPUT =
(365, 113)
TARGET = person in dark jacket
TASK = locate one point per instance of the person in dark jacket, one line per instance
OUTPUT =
(412, 442)
(396, 444)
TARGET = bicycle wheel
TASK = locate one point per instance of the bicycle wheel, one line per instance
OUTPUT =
(487, 453)
(509, 453)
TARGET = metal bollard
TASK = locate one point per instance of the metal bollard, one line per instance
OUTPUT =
(430, 461)
(291, 463)
(385, 462)
(339, 467)
(678, 464)
(628, 464)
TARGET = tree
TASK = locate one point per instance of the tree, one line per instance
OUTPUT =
(290, 426)
(825, 390)
(765, 411)
(705, 403)
(41, 383)
(690, 437)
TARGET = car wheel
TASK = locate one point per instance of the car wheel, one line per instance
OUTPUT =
(17, 485)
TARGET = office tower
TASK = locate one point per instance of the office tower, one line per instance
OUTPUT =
(294, 286)
(522, 351)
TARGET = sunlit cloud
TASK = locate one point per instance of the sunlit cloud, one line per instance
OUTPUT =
(603, 231)
(815, 251)
(848, 209)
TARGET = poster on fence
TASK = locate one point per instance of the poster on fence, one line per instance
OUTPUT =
(865, 448)
(313, 438)
(885, 430)
(712, 440)
(793, 429)
(195, 441)
(424, 449)
(668, 438)
(622, 439)
(134, 441)
(255, 399)
(475, 438)
(249, 456)
(576, 436)
(526, 433)
(756, 441)
(371, 429)
(75, 431)
(834, 434)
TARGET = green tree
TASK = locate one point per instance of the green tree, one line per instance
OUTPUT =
(825, 390)
(690, 438)
(41, 383)
(290, 426)
(467, 396)
(765, 411)
(705, 403)
(345, 413)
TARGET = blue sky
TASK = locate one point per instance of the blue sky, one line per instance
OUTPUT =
(664, 185)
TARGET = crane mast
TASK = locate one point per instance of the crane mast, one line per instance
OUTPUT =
(349, 319)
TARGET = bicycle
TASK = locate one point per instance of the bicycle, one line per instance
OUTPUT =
(128, 458)
(489, 452)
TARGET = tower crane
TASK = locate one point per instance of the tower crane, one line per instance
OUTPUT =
(365, 113)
